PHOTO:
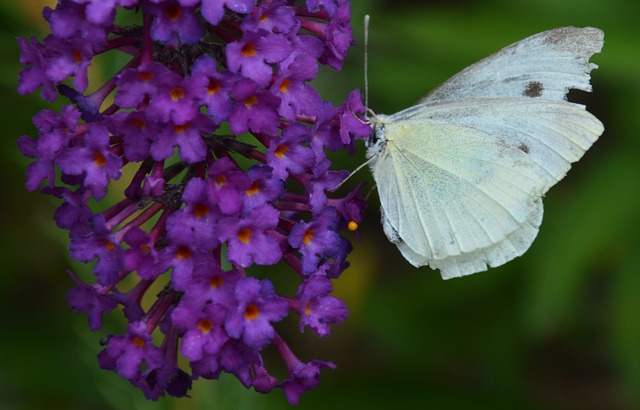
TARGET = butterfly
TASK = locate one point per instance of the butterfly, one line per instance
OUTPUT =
(461, 175)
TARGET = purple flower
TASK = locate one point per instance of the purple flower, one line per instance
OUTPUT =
(251, 239)
(264, 187)
(72, 19)
(55, 134)
(100, 244)
(68, 58)
(253, 54)
(93, 160)
(141, 255)
(256, 110)
(258, 306)
(102, 12)
(274, 17)
(173, 101)
(142, 83)
(91, 299)
(287, 154)
(203, 327)
(213, 11)
(128, 354)
(217, 138)
(212, 286)
(212, 87)
(315, 239)
(137, 132)
(227, 185)
(187, 136)
(296, 97)
(302, 376)
(173, 23)
(338, 37)
(32, 55)
(317, 307)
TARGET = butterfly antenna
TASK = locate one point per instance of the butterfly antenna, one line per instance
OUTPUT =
(335, 188)
(366, 100)
(366, 65)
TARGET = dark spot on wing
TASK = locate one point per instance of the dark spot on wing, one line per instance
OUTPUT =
(533, 89)
(523, 147)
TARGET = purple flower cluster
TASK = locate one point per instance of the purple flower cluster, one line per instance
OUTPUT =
(223, 142)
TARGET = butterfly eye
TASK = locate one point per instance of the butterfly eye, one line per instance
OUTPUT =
(377, 134)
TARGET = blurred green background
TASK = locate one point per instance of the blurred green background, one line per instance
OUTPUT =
(558, 328)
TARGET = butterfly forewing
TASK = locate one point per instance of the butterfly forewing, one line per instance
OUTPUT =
(544, 66)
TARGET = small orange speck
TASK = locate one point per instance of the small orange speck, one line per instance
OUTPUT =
(253, 189)
(205, 326)
(145, 248)
(179, 129)
(216, 281)
(177, 93)
(99, 159)
(138, 342)
(183, 253)
(221, 180)
(352, 225)
(77, 57)
(145, 76)
(251, 312)
(308, 236)
(173, 12)
(284, 85)
(263, 18)
(213, 87)
(244, 235)
(250, 101)
(200, 211)
(138, 123)
(281, 151)
(307, 309)
(109, 245)
(248, 50)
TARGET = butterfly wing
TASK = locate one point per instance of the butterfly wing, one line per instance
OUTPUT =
(543, 66)
(461, 183)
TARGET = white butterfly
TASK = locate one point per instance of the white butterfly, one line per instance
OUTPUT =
(461, 174)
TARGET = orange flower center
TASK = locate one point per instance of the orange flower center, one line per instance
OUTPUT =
(244, 235)
(99, 159)
(251, 312)
(183, 253)
(173, 12)
(248, 50)
(284, 85)
(308, 236)
(177, 93)
(221, 180)
(200, 211)
(138, 342)
(216, 281)
(250, 101)
(213, 87)
(253, 189)
(281, 151)
(145, 76)
(205, 326)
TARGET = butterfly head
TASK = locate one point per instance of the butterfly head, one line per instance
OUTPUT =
(378, 139)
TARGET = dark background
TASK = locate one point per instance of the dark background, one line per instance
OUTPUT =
(558, 328)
